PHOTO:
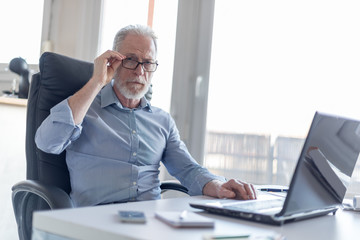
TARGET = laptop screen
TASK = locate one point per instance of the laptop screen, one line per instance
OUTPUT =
(326, 163)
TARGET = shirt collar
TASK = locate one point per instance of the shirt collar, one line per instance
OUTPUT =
(109, 97)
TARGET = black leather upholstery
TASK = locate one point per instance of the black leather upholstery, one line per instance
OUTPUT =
(59, 78)
(48, 182)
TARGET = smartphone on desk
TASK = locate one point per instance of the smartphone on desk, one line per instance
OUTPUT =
(132, 216)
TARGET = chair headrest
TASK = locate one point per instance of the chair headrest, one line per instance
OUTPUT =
(62, 76)
(68, 72)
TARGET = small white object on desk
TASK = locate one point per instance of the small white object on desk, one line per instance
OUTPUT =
(184, 219)
(353, 205)
(356, 203)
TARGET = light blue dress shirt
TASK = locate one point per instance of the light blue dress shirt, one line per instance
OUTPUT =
(114, 154)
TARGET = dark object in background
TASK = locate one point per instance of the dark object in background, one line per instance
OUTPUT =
(19, 66)
(148, 94)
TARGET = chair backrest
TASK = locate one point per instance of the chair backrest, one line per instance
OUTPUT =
(59, 77)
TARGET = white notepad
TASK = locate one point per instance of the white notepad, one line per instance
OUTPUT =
(184, 219)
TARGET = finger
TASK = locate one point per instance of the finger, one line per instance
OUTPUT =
(115, 60)
(226, 193)
(254, 191)
(106, 64)
(249, 190)
(109, 54)
(242, 192)
(109, 57)
(238, 188)
(114, 63)
(112, 59)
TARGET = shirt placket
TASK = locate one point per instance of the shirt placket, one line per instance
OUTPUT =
(134, 145)
(134, 138)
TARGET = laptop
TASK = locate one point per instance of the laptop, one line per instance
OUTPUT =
(319, 181)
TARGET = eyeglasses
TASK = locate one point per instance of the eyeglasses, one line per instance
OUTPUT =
(132, 64)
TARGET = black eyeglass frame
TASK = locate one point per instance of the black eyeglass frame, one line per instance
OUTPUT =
(138, 63)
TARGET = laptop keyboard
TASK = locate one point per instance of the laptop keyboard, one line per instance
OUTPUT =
(255, 205)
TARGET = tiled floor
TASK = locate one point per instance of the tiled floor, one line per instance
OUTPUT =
(12, 164)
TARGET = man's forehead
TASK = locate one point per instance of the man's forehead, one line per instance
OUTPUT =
(138, 46)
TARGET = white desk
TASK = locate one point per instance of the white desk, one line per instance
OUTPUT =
(101, 222)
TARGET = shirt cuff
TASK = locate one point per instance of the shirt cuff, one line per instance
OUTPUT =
(201, 181)
(61, 113)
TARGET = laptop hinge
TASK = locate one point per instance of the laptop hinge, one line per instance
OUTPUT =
(305, 214)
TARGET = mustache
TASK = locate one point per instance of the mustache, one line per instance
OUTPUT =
(135, 80)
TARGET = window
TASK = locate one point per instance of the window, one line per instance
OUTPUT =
(21, 26)
(271, 69)
(21, 30)
(164, 25)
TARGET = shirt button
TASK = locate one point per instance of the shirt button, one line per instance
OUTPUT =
(134, 183)
(134, 153)
(133, 131)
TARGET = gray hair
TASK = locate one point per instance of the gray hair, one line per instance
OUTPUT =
(134, 29)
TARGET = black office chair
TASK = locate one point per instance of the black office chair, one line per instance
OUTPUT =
(48, 182)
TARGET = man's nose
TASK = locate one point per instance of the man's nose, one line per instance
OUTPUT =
(139, 70)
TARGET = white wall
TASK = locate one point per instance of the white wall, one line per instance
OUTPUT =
(72, 27)
(12, 163)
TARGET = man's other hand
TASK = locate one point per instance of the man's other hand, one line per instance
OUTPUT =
(233, 189)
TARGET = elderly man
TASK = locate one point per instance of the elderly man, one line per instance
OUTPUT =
(114, 139)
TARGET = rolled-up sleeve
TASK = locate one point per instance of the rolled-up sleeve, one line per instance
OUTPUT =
(181, 165)
(58, 130)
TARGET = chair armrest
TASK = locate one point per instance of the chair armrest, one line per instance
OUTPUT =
(167, 185)
(55, 197)
(29, 196)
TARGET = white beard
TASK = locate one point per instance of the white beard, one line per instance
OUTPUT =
(133, 93)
